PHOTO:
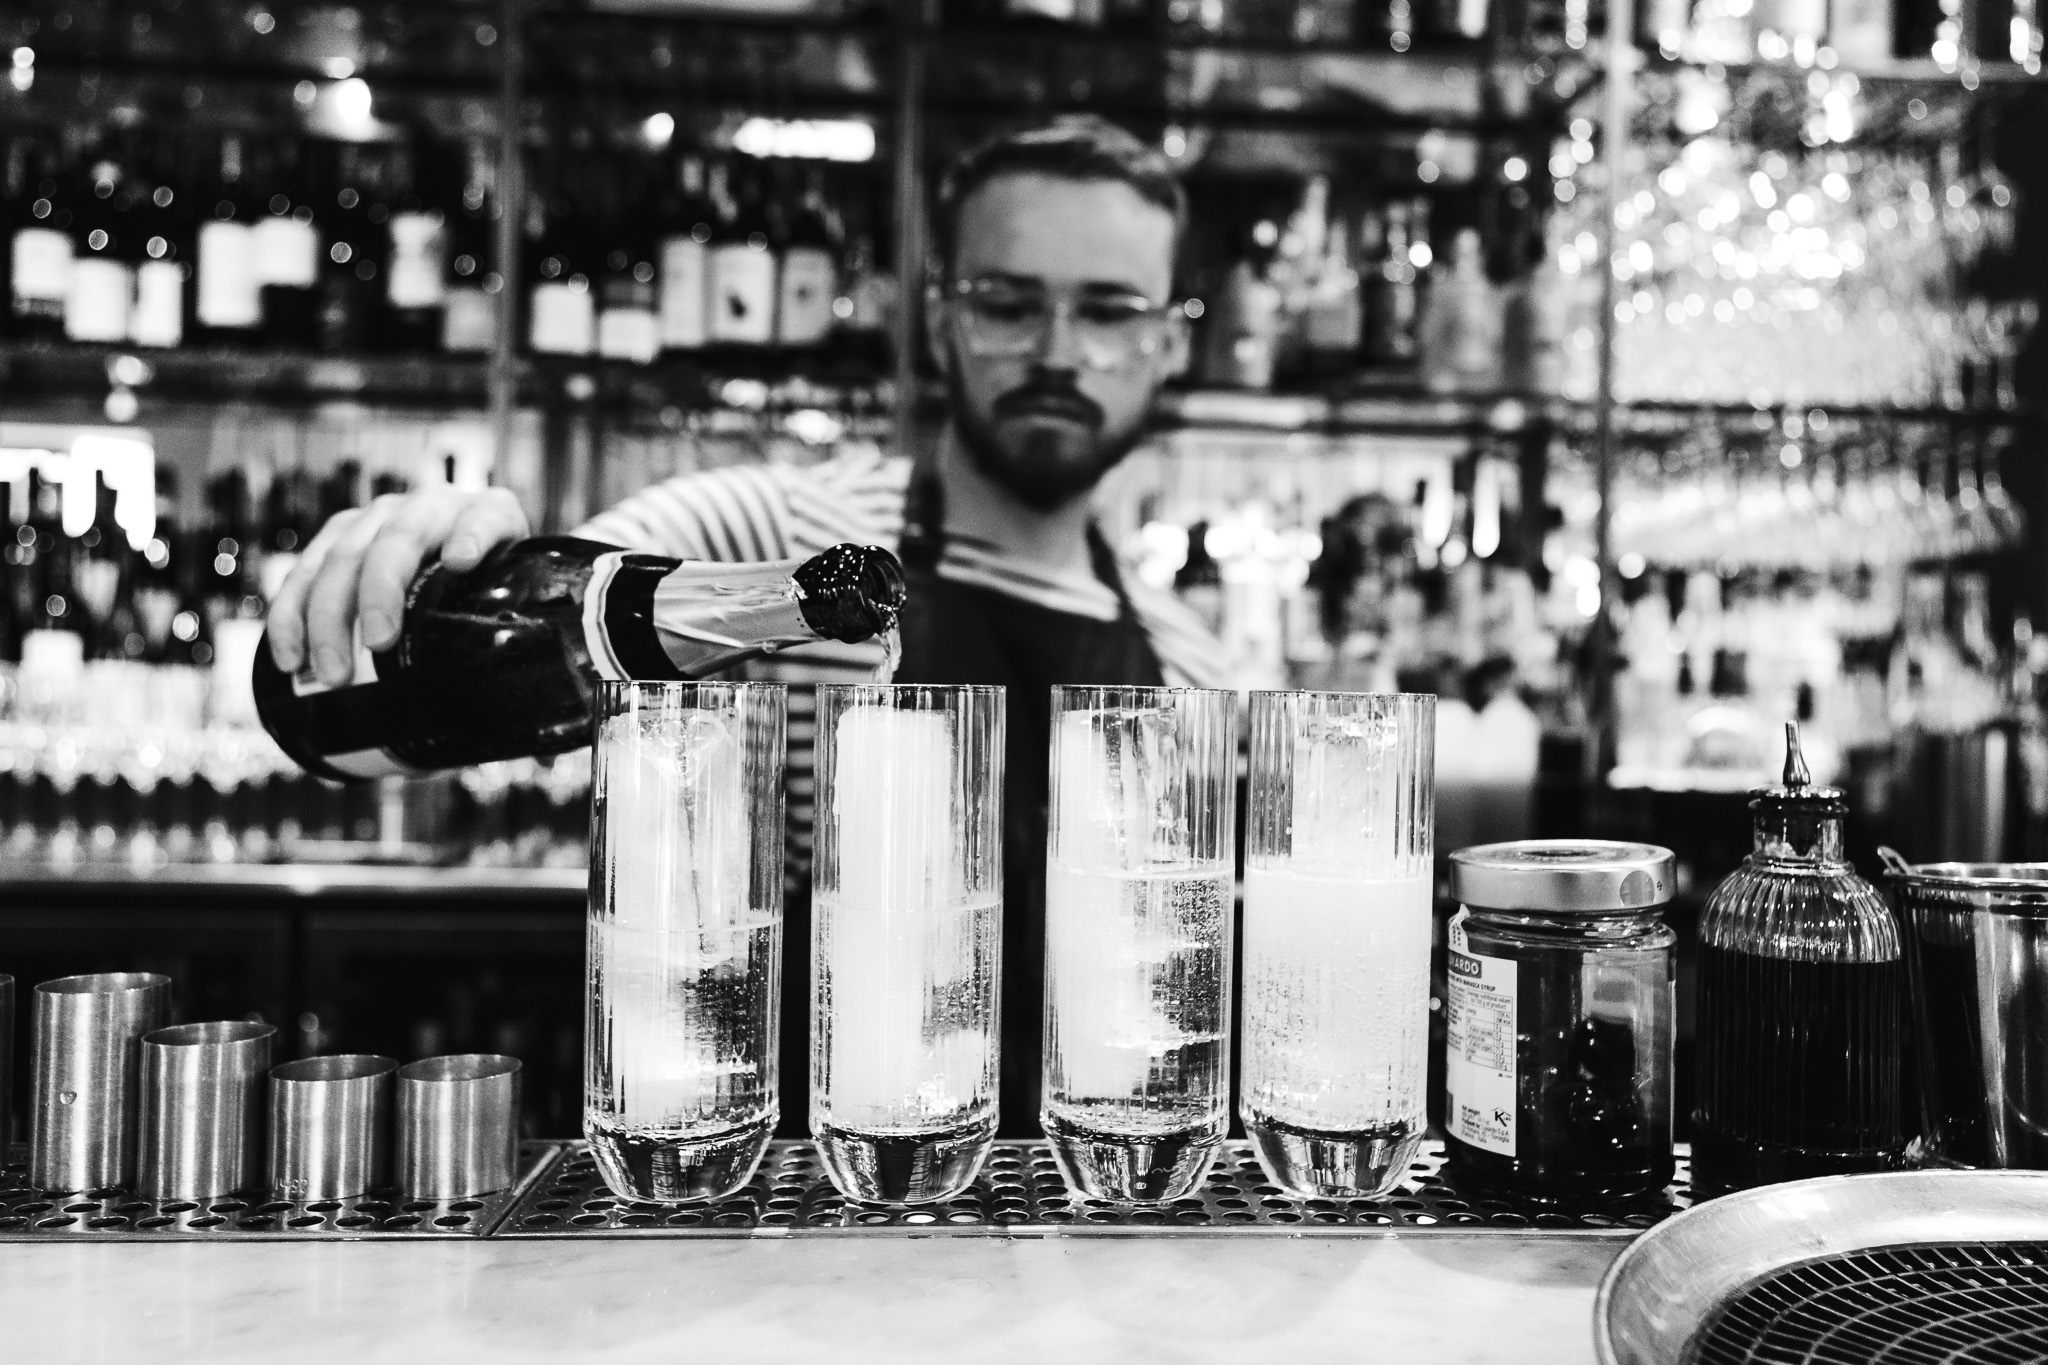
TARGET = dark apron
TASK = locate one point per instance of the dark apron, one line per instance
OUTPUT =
(956, 633)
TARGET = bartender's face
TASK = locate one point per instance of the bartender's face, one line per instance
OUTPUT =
(1055, 333)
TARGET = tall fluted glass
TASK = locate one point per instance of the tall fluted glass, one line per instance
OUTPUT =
(1337, 900)
(1139, 872)
(906, 937)
(685, 935)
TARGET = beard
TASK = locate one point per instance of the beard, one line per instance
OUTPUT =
(1042, 441)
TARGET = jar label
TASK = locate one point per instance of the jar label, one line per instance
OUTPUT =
(1479, 1046)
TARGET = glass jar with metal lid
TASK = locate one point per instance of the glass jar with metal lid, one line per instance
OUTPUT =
(1557, 1055)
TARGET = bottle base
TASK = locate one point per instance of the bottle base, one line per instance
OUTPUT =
(1132, 1168)
(660, 1168)
(1602, 1177)
(904, 1168)
(1325, 1165)
(1723, 1165)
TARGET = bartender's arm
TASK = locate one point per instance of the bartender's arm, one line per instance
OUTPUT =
(362, 562)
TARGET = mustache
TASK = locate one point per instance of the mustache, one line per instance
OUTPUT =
(1056, 395)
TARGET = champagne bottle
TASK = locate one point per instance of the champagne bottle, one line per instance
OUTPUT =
(501, 662)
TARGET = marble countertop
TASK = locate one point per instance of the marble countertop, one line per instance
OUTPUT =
(1443, 1298)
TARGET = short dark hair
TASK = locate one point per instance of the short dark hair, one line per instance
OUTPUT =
(1076, 147)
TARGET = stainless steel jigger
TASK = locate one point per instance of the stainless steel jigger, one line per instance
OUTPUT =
(6, 1065)
(85, 1076)
(203, 1109)
(458, 1125)
(330, 1126)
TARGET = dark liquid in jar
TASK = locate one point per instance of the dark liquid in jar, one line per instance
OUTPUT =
(1800, 1069)
(1591, 1122)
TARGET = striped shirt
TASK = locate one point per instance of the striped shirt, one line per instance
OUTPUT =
(747, 513)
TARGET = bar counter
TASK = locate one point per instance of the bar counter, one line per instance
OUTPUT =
(1443, 1297)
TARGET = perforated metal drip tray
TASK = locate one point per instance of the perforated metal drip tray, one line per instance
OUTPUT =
(1958, 1303)
(1021, 1193)
(28, 1214)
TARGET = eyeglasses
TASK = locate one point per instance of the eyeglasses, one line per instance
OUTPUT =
(1003, 321)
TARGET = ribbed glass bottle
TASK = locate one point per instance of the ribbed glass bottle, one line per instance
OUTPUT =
(1802, 1005)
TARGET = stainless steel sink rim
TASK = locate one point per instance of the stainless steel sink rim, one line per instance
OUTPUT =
(1665, 1284)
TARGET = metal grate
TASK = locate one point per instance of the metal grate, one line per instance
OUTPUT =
(1963, 1303)
(31, 1215)
(1021, 1191)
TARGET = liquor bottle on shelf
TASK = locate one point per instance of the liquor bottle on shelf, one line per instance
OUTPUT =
(628, 325)
(287, 252)
(867, 311)
(1460, 325)
(163, 274)
(742, 267)
(416, 274)
(156, 596)
(1918, 25)
(500, 662)
(13, 576)
(1802, 999)
(1389, 23)
(287, 527)
(686, 216)
(1390, 287)
(562, 316)
(104, 247)
(1535, 317)
(227, 301)
(809, 281)
(1793, 28)
(53, 643)
(231, 588)
(39, 241)
(352, 218)
(1662, 24)
(474, 287)
(1241, 330)
(1333, 326)
(1072, 13)
(104, 573)
(23, 559)
(54, 604)
(1860, 32)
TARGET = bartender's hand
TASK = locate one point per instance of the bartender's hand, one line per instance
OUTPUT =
(362, 562)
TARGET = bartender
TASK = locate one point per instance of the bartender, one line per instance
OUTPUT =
(1053, 322)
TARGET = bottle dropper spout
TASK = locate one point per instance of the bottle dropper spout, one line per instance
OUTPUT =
(1796, 774)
